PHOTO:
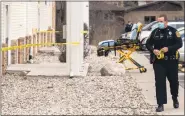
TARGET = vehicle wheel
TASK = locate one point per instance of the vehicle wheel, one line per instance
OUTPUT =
(99, 52)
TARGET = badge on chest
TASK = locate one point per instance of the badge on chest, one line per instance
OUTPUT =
(169, 35)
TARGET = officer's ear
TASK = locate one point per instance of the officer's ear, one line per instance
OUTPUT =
(166, 23)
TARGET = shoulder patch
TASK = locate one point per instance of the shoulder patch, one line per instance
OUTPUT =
(177, 34)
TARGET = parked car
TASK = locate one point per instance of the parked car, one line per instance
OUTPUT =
(148, 26)
(180, 29)
(106, 43)
(145, 34)
(145, 28)
(102, 44)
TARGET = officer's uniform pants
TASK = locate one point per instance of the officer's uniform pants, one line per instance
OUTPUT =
(163, 69)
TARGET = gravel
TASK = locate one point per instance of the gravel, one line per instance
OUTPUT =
(46, 58)
(90, 95)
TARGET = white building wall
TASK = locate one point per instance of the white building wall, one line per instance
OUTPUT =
(49, 11)
(86, 13)
(3, 22)
(45, 15)
(23, 17)
(17, 20)
(32, 16)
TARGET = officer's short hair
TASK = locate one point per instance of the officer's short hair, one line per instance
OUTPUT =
(165, 17)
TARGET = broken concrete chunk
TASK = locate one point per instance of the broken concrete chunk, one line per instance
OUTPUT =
(113, 69)
(23, 73)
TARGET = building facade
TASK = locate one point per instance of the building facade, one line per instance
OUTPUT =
(19, 19)
(149, 12)
(106, 21)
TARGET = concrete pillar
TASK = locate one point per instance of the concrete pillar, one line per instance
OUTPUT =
(74, 28)
(86, 13)
(81, 30)
(86, 20)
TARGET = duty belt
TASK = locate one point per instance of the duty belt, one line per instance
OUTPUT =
(173, 57)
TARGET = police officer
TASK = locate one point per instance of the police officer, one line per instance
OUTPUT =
(128, 27)
(166, 39)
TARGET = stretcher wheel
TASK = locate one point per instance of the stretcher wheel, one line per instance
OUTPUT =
(142, 70)
(145, 70)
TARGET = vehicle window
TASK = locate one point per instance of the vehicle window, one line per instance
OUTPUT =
(179, 26)
(105, 44)
(154, 26)
(148, 26)
(111, 43)
(176, 26)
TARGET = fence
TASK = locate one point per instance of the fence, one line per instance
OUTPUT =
(21, 56)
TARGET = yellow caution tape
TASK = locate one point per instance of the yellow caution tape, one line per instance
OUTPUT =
(161, 55)
(30, 45)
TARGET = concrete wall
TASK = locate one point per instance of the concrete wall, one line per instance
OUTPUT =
(136, 16)
(103, 29)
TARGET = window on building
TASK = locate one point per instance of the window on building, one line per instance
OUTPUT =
(149, 19)
(108, 16)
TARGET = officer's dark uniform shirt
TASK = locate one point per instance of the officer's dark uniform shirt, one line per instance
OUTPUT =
(168, 37)
(128, 27)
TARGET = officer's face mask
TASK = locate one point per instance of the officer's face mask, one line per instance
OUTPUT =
(161, 25)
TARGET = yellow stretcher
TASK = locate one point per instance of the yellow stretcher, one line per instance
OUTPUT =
(125, 48)
(126, 56)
